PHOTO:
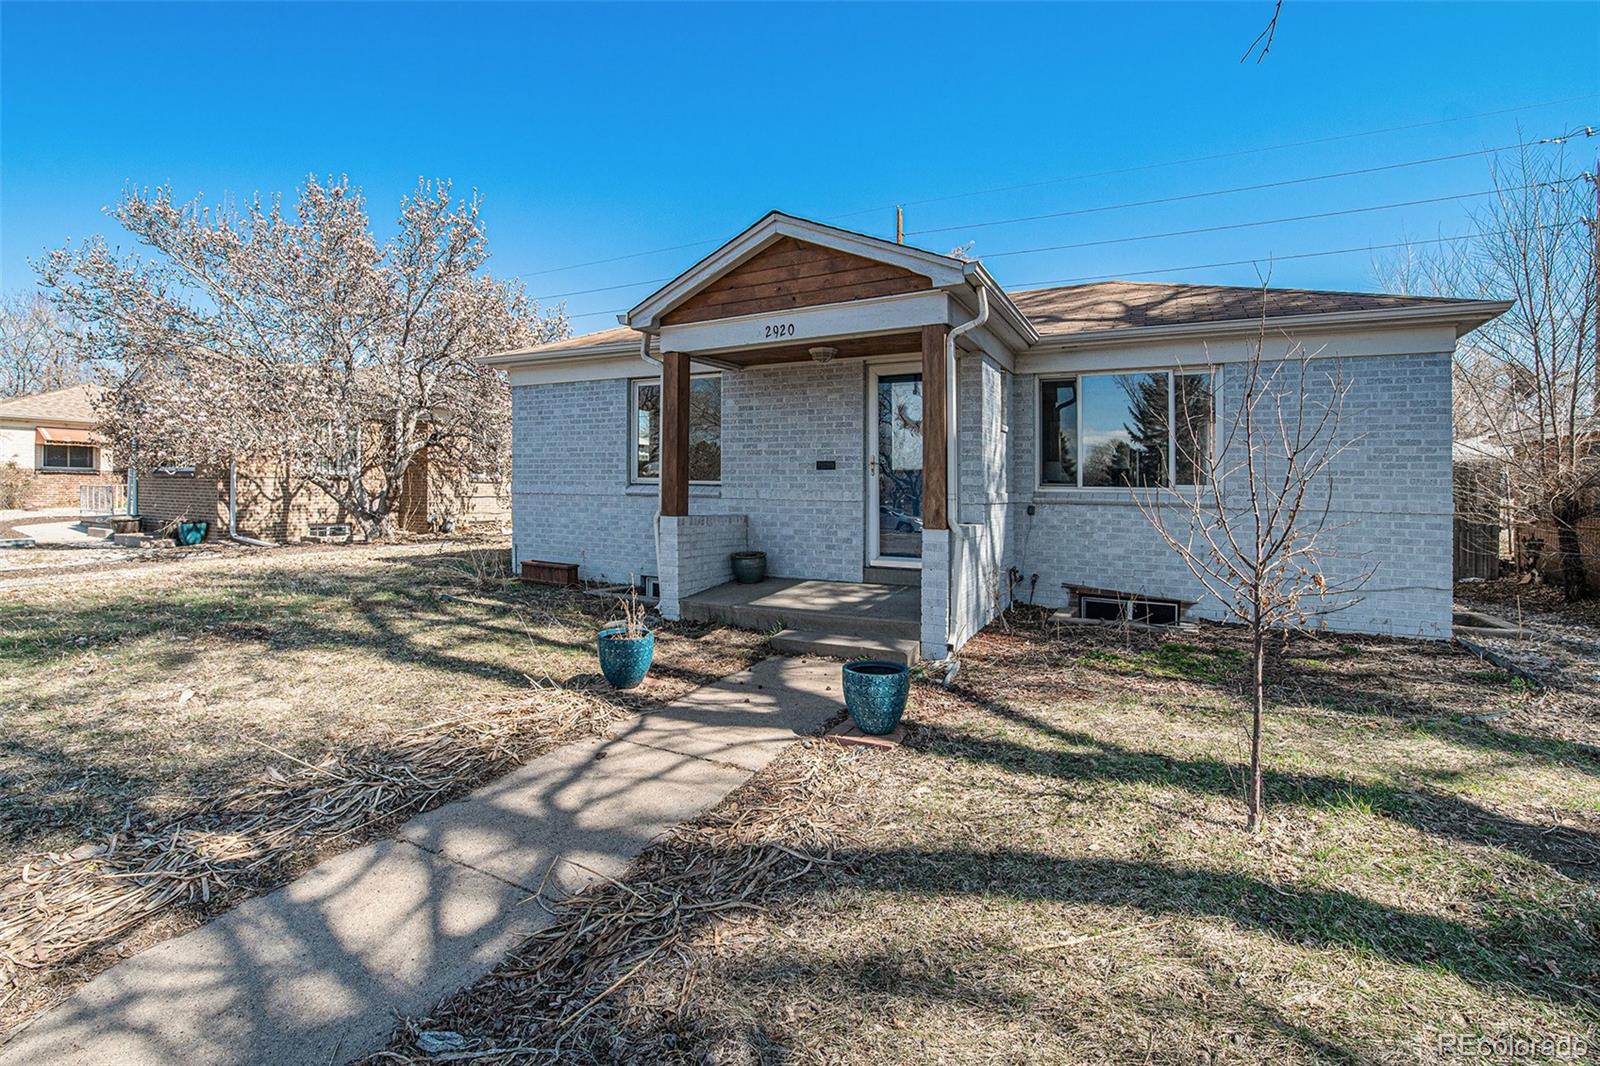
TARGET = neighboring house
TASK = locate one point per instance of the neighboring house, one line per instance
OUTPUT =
(52, 435)
(269, 504)
(871, 414)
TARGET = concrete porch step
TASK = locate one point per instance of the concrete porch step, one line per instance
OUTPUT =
(849, 608)
(908, 577)
(103, 532)
(845, 646)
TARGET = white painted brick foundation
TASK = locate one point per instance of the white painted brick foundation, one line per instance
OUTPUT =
(696, 555)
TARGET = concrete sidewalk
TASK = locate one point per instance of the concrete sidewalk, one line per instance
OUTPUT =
(316, 971)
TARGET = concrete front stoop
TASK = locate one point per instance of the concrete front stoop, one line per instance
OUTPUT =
(318, 970)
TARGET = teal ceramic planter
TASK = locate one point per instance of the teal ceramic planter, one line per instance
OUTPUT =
(190, 532)
(749, 567)
(625, 660)
(875, 693)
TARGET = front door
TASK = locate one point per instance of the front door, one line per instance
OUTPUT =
(894, 468)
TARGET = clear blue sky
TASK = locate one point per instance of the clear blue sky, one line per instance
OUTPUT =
(603, 130)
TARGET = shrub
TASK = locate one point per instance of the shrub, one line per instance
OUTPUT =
(16, 486)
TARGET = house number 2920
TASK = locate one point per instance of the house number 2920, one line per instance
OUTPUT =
(782, 329)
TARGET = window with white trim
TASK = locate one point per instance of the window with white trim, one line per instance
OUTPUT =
(705, 430)
(1143, 430)
(74, 457)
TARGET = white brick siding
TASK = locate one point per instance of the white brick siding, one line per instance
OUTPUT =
(696, 555)
(1391, 505)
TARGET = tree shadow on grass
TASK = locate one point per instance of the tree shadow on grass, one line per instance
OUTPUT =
(1362, 679)
(1574, 852)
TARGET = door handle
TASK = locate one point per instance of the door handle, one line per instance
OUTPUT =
(872, 466)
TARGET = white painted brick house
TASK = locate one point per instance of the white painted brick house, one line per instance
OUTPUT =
(872, 414)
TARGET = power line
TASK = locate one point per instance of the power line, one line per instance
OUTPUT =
(1156, 236)
(1273, 258)
(1024, 286)
(1587, 131)
(1258, 222)
(1092, 174)
(1222, 155)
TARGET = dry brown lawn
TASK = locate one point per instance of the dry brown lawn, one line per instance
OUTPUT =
(132, 706)
(1052, 869)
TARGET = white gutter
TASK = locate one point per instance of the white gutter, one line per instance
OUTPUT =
(952, 460)
(661, 402)
(233, 510)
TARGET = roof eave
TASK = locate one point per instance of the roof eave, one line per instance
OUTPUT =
(1465, 315)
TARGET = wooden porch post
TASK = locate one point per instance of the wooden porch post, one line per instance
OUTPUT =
(935, 427)
(674, 434)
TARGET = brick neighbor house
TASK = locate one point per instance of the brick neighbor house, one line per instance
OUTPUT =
(50, 439)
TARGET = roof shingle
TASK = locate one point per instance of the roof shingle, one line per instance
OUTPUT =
(73, 404)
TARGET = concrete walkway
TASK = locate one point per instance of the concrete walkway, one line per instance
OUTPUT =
(317, 971)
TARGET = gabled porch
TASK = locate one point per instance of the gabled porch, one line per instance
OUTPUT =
(838, 344)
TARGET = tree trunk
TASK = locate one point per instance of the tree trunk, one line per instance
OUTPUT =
(1574, 579)
(1258, 656)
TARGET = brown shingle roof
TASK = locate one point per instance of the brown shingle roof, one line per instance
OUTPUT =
(1119, 305)
(74, 404)
(1111, 305)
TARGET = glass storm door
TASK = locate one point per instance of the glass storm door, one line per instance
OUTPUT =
(895, 471)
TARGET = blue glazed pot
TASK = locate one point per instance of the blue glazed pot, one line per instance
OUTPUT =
(190, 532)
(875, 694)
(625, 661)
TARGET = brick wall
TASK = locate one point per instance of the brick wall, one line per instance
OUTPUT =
(168, 498)
(572, 500)
(695, 555)
(1390, 498)
(49, 488)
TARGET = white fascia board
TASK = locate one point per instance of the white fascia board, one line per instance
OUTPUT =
(858, 318)
(1462, 317)
(1004, 316)
(592, 368)
(533, 357)
(982, 340)
(942, 270)
(1198, 353)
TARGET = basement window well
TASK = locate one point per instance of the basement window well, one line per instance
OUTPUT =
(1129, 609)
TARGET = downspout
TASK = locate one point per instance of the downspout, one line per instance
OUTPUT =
(644, 353)
(233, 510)
(952, 460)
(132, 492)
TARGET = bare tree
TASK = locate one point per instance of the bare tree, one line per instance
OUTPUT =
(1526, 390)
(1251, 513)
(298, 336)
(36, 350)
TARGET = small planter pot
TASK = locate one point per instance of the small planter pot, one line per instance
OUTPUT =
(875, 693)
(625, 660)
(749, 567)
(190, 532)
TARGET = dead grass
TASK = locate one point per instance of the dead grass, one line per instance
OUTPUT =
(177, 742)
(1053, 869)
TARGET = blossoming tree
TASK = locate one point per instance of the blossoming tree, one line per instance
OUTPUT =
(297, 336)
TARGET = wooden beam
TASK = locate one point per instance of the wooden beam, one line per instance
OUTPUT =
(675, 434)
(935, 427)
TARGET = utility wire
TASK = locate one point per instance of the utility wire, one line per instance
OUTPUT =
(1587, 131)
(1091, 174)
(1259, 222)
(1271, 258)
(1025, 286)
(1128, 240)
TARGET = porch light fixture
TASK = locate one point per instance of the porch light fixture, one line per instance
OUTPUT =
(824, 354)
